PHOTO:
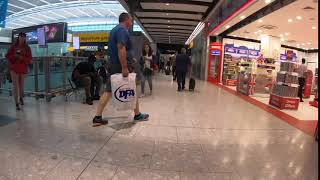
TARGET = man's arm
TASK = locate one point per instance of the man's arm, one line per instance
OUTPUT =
(122, 53)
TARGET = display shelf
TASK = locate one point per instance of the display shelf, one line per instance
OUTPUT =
(282, 102)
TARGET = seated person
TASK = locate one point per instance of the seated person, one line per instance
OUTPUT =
(85, 75)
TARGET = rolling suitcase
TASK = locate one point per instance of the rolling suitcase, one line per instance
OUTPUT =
(192, 84)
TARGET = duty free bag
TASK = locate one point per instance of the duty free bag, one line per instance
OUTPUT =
(124, 91)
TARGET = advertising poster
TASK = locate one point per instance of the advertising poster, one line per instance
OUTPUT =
(76, 42)
(55, 32)
(41, 37)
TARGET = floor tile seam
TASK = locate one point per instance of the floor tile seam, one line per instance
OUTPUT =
(115, 172)
(204, 157)
(92, 159)
(152, 153)
(56, 165)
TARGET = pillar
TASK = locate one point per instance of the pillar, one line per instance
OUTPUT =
(3, 12)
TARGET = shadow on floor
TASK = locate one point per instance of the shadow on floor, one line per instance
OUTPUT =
(123, 125)
(6, 120)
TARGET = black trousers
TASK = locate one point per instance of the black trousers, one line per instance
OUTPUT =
(174, 74)
(181, 79)
(301, 86)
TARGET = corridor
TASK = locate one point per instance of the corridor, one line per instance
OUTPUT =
(208, 134)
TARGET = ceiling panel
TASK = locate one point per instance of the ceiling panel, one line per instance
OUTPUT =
(174, 7)
(289, 32)
(169, 15)
(168, 26)
(169, 21)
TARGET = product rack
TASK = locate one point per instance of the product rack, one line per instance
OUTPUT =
(284, 91)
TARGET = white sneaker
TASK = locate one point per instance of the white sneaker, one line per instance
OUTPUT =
(142, 95)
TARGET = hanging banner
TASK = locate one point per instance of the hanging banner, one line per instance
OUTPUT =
(3, 12)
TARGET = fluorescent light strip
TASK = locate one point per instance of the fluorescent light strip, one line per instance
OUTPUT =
(27, 3)
(113, 13)
(196, 31)
(97, 12)
(84, 12)
(58, 14)
(64, 10)
(16, 6)
(39, 14)
(36, 19)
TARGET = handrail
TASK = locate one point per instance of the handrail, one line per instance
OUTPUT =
(47, 75)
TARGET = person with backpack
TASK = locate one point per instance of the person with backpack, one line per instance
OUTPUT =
(20, 57)
(146, 64)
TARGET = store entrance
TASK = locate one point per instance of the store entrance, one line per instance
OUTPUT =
(215, 58)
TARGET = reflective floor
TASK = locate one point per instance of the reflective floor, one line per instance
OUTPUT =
(206, 134)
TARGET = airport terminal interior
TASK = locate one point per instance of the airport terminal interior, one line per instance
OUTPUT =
(248, 109)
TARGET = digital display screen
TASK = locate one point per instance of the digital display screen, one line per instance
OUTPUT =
(41, 37)
(56, 32)
(76, 42)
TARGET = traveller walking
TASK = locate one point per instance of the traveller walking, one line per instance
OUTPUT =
(301, 70)
(19, 56)
(121, 58)
(183, 63)
(146, 63)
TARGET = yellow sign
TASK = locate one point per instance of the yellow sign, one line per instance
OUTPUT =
(191, 45)
(93, 37)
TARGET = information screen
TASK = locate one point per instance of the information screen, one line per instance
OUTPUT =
(55, 32)
(76, 42)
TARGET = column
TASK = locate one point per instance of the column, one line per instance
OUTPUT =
(3, 12)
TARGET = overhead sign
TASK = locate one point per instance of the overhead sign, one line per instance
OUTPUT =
(93, 37)
(3, 12)
(241, 51)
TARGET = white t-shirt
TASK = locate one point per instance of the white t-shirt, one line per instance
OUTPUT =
(147, 62)
(302, 69)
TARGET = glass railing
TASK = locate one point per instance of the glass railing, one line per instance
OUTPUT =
(47, 76)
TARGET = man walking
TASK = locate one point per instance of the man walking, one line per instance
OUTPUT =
(121, 58)
(301, 70)
(183, 63)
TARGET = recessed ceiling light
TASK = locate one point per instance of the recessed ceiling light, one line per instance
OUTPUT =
(227, 26)
(268, 1)
(246, 37)
(168, 26)
(167, 14)
(313, 27)
(242, 17)
(299, 17)
(281, 35)
(256, 32)
(167, 4)
(290, 20)
(260, 31)
(168, 20)
(281, 39)
(287, 34)
(260, 21)
(302, 44)
(308, 43)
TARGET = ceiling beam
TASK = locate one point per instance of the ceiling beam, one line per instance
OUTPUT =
(170, 11)
(159, 28)
(177, 19)
(169, 24)
(199, 3)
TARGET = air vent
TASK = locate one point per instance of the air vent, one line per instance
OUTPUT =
(268, 27)
(308, 8)
(290, 41)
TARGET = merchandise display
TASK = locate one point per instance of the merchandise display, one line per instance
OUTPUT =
(285, 90)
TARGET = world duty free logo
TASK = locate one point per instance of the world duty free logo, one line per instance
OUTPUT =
(124, 93)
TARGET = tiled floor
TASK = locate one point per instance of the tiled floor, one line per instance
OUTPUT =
(206, 134)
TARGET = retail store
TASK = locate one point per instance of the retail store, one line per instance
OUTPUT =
(260, 58)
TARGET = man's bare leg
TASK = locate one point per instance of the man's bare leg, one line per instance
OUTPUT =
(104, 99)
(138, 116)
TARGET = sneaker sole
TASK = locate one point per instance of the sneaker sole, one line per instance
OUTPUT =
(98, 124)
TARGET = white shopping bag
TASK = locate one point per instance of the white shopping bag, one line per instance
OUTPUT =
(124, 91)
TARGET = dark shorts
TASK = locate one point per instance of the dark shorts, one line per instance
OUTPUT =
(114, 69)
